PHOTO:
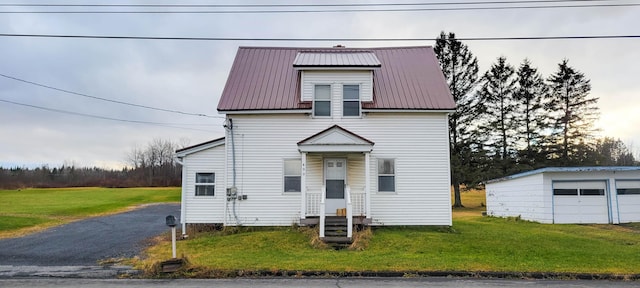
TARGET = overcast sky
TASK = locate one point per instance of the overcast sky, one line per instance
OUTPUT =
(188, 76)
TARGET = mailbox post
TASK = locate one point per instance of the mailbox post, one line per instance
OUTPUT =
(171, 222)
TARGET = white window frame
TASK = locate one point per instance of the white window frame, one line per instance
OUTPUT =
(395, 175)
(359, 100)
(284, 174)
(330, 100)
(196, 184)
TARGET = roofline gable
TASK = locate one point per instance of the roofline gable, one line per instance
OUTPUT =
(200, 147)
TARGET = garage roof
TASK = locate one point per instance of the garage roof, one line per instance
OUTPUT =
(566, 169)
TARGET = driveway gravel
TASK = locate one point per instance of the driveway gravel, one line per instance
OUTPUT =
(87, 241)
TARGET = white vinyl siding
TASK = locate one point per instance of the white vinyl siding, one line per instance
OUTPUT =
(521, 197)
(199, 209)
(418, 141)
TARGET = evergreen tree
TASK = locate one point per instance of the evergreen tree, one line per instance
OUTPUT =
(498, 85)
(531, 115)
(572, 112)
(460, 69)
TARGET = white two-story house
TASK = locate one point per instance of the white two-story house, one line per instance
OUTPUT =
(318, 133)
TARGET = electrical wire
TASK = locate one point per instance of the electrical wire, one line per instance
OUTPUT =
(170, 125)
(575, 37)
(326, 11)
(107, 100)
(298, 5)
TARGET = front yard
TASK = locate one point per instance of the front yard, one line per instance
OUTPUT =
(474, 243)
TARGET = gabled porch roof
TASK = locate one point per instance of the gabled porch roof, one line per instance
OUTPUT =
(335, 139)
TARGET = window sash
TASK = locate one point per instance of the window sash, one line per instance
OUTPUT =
(292, 175)
(351, 100)
(386, 175)
(205, 184)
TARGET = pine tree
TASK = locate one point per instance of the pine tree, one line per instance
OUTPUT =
(498, 85)
(460, 69)
(530, 95)
(572, 112)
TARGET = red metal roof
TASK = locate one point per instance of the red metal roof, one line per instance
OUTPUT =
(263, 78)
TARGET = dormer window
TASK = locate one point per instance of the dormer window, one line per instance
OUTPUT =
(322, 101)
(351, 100)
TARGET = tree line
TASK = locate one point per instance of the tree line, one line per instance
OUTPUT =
(512, 119)
(151, 166)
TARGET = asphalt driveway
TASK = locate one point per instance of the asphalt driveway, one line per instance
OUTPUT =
(87, 241)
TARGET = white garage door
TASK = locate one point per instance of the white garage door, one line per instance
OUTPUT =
(580, 202)
(628, 200)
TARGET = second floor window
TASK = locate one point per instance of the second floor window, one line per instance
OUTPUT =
(351, 100)
(322, 100)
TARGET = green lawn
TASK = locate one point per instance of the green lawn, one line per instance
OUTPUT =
(475, 243)
(28, 210)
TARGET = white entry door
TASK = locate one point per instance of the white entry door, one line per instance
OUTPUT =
(335, 172)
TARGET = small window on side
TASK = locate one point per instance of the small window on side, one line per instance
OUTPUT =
(205, 184)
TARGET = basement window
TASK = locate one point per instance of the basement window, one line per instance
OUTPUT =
(205, 184)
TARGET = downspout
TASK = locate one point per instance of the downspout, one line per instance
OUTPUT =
(233, 195)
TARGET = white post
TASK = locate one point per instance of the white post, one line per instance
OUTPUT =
(173, 242)
(367, 181)
(349, 212)
(322, 211)
(303, 187)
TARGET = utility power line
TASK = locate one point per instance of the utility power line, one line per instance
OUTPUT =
(170, 125)
(107, 100)
(513, 6)
(382, 4)
(570, 37)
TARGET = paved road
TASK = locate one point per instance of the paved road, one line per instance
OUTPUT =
(312, 283)
(85, 242)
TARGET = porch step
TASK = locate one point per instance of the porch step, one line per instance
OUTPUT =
(335, 231)
(337, 240)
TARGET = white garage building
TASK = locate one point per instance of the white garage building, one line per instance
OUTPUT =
(601, 195)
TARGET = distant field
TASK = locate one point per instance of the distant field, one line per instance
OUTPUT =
(28, 210)
(474, 243)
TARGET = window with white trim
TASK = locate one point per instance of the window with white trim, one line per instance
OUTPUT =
(205, 184)
(386, 175)
(322, 101)
(292, 175)
(351, 100)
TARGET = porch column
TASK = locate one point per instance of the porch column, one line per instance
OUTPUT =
(303, 186)
(367, 181)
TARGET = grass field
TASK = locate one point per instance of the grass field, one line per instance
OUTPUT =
(28, 210)
(475, 243)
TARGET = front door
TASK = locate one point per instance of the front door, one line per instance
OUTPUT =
(335, 175)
